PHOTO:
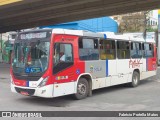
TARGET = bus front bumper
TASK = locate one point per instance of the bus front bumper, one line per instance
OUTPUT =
(45, 92)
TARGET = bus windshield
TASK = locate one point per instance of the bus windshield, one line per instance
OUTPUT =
(30, 57)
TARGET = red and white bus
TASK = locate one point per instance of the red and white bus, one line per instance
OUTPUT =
(56, 62)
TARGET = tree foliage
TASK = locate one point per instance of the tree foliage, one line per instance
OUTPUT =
(135, 22)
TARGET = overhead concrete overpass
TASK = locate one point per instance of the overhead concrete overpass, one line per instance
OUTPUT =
(20, 14)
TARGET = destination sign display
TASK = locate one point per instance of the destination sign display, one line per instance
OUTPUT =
(27, 36)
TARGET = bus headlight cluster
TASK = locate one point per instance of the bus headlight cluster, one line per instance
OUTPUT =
(43, 82)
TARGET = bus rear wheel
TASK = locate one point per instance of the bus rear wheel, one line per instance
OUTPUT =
(135, 79)
(82, 89)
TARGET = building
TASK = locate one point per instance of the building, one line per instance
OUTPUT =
(138, 21)
(153, 19)
(95, 25)
(3, 38)
(6, 46)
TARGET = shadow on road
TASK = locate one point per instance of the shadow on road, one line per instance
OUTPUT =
(119, 87)
(65, 101)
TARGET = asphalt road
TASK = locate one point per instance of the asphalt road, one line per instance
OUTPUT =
(145, 97)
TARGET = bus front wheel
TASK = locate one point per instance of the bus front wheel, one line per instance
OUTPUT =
(82, 89)
(135, 79)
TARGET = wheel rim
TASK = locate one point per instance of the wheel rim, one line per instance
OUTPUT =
(82, 89)
(135, 79)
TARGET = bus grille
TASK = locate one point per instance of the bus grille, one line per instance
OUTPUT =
(29, 91)
(28, 78)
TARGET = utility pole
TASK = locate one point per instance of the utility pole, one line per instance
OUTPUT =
(1, 48)
(1, 42)
(146, 19)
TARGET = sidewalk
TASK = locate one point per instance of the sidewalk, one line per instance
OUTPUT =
(4, 71)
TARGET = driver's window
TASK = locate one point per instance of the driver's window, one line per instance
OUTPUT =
(63, 56)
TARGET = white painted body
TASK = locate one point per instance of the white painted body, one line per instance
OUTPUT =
(119, 71)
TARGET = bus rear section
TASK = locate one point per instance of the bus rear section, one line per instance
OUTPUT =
(158, 49)
(58, 62)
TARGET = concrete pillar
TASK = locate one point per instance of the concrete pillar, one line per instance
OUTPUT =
(1, 48)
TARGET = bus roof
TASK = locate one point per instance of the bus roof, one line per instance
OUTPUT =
(150, 36)
(126, 36)
(110, 35)
(78, 32)
(67, 32)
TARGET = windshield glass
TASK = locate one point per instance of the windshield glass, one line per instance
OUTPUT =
(30, 57)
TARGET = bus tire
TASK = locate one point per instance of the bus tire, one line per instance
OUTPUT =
(135, 79)
(82, 89)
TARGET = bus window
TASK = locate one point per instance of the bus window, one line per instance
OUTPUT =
(147, 50)
(123, 50)
(63, 57)
(107, 49)
(88, 49)
(136, 51)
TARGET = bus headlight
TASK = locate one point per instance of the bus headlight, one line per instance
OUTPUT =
(43, 82)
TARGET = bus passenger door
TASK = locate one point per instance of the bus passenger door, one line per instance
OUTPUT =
(108, 55)
(123, 56)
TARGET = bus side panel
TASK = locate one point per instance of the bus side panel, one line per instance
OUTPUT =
(122, 72)
(96, 68)
(136, 64)
(112, 67)
(66, 80)
(98, 71)
(152, 61)
(151, 64)
(112, 72)
(63, 89)
(149, 68)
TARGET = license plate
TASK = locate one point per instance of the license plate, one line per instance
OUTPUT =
(24, 93)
